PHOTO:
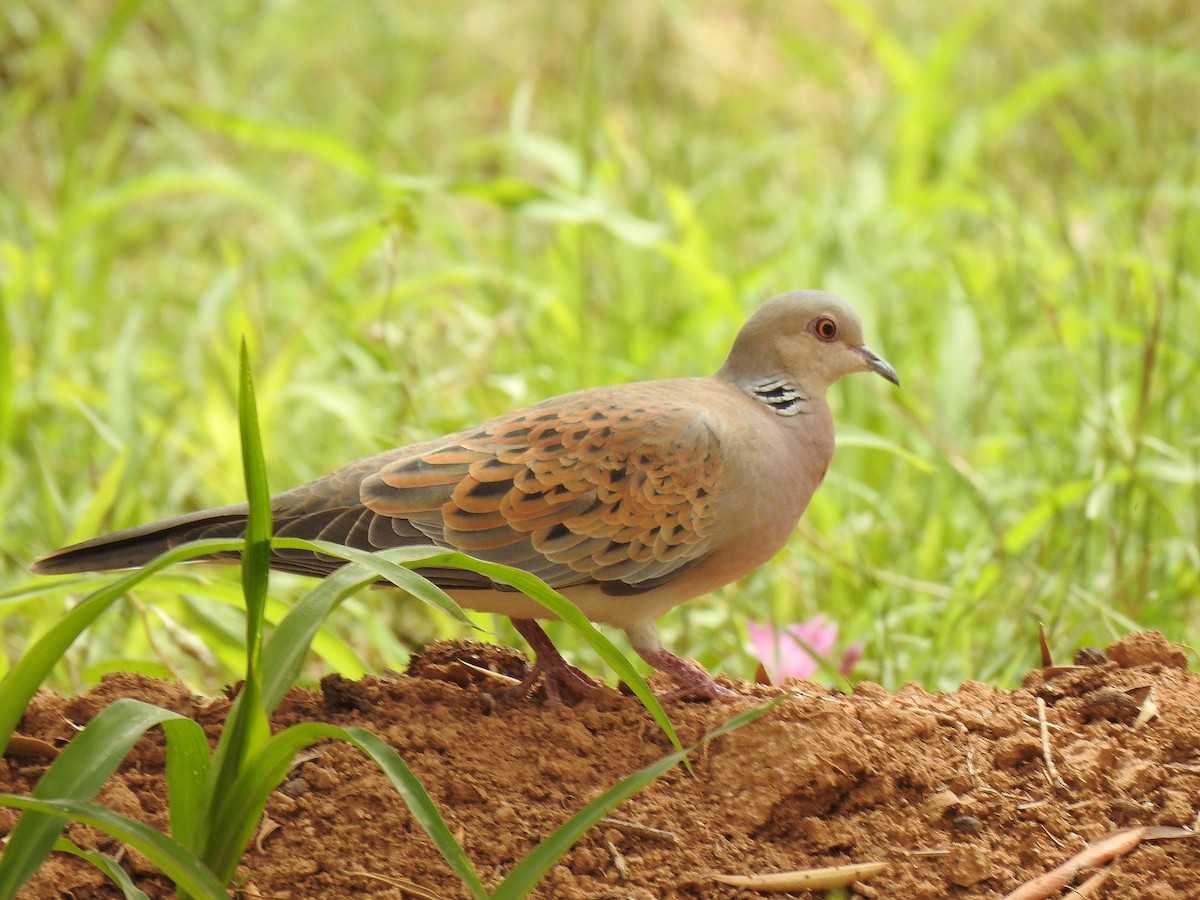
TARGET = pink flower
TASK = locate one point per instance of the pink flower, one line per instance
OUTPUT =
(784, 651)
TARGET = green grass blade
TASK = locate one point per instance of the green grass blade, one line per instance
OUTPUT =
(388, 565)
(525, 582)
(530, 585)
(285, 650)
(240, 807)
(31, 670)
(857, 437)
(246, 728)
(530, 870)
(78, 772)
(171, 858)
(336, 651)
(101, 503)
(257, 555)
(252, 130)
(83, 102)
(538, 590)
(187, 773)
(420, 805)
(28, 590)
(106, 864)
(264, 772)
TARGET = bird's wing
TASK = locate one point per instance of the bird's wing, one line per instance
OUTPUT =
(574, 490)
(607, 487)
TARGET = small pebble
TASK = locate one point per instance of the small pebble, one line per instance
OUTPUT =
(1090, 656)
(967, 825)
(294, 787)
(1111, 704)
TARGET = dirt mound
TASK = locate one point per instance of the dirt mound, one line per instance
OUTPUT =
(952, 790)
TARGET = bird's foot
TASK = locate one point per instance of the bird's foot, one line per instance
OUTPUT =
(693, 682)
(554, 672)
(556, 679)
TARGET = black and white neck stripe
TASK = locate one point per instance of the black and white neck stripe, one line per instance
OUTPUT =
(782, 396)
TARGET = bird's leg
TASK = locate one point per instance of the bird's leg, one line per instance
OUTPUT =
(549, 665)
(693, 681)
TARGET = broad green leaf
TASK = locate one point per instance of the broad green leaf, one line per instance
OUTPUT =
(105, 864)
(188, 763)
(171, 858)
(236, 812)
(24, 678)
(80, 770)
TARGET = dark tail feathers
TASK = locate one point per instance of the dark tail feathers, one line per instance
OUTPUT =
(134, 547)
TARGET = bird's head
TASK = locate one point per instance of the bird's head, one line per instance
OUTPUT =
(808, 338)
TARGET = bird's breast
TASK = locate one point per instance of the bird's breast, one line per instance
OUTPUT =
(784, 463)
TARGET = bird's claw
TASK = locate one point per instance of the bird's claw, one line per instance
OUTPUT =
(693, 682)
(555, 678)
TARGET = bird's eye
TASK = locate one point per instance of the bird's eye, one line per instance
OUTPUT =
(824, 327)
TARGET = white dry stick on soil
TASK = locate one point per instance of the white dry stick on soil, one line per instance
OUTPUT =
(804, 879)
(1044, 730)
(635, 828)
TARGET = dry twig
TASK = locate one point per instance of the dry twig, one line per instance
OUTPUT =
(1044, 730)
(618, 861)
(803, 879)
(640, 829)
(1097, 853)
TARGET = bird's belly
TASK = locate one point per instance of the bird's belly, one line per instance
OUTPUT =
(623, 611)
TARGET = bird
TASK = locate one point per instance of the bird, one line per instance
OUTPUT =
(628, 499)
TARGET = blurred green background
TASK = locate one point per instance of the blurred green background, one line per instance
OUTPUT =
(423, 214)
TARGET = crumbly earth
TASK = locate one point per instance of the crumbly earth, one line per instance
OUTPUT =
(951, 790)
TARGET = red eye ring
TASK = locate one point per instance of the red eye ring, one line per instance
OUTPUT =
(824, 327)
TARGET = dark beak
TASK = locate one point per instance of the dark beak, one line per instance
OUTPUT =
(877, 364)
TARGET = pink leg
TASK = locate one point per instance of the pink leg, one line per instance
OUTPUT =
(693, 681)
(554, 671)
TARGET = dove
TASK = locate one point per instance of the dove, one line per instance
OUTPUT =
(628, 499)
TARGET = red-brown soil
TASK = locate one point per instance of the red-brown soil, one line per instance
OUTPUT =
(951, 790)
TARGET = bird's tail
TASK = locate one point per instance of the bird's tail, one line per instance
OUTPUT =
(136, 546)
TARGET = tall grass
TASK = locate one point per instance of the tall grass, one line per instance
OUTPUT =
(420, 215)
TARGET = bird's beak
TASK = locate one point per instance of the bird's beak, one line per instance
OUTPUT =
(877, 364)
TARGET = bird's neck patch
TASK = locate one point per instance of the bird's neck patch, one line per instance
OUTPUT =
(780, 395)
